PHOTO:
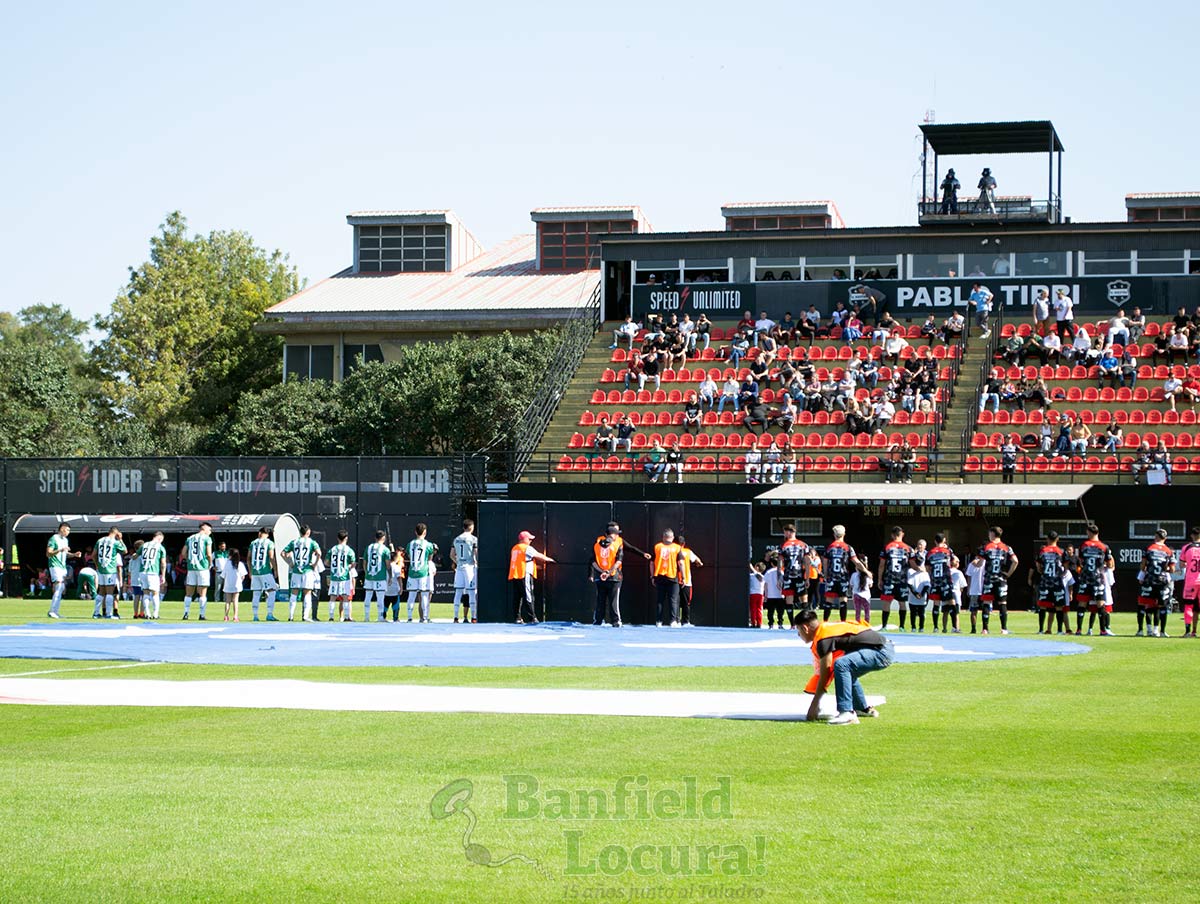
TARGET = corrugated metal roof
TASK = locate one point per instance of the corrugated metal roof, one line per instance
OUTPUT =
(589, 208)
(1161, 195)
(503, 279)
(1020, 137)
(771, 205)
(399, 213)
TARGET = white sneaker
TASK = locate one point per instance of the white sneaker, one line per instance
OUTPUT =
(52, 614)
(1004, 630)
(658, 624)
(1140, 633)
(674, 624)
(844, 719)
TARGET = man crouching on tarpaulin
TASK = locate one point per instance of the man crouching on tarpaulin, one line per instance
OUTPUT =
(844, 651)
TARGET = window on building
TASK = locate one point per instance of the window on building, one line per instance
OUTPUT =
(402, 249)
(354, 354)
(665, 272)
(823, 268)
(1161, 262)
(1144, 214)
(934, 266)
(740, 223)
(1042, 263)
(308, 362)
(575, 245)
(1145, 530)
(876, 266)
(986, 263)
(706, 270)
(1106, 263)
(774, 269)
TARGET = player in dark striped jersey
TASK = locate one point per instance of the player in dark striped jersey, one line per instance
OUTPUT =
(1091, 590)
(938, 563)
(893, 576)
(999, 563)
(840, 561)
(1154, 599)
(792, 555)
(1051, 591)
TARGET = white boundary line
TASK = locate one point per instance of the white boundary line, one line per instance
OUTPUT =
(90, 668)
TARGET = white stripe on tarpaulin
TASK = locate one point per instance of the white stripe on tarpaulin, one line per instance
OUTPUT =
(412, 698)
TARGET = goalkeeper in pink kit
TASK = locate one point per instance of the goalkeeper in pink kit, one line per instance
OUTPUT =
(1189, 561)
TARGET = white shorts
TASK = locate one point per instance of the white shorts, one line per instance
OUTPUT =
(106, 580)
(423, 585)
(151, 583)
(464, 577)
(307, 581)
(376, 586)
(57, 575)
(341, 588)
(260, 582)
(198, 578)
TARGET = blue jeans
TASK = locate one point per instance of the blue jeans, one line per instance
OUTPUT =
(735, 357)
(983, 400)
(725, 398)
(848, 668)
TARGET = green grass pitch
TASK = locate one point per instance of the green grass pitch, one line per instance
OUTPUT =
(1051, 779)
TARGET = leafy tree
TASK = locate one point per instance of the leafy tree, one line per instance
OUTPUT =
(46, 406)
(299, 417)
(180, 346)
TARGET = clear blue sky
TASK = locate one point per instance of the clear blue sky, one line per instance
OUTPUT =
(279, 119)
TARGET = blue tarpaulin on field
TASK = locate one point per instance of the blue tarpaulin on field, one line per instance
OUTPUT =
(445, 644)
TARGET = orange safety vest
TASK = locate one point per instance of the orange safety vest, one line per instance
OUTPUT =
(606, 557)
(685, 570)
(831, 629)
(519, 563)
(666, 557)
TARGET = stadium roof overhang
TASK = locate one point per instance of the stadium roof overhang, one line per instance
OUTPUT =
(1033, 137)
(1050, 494)
(168, 524)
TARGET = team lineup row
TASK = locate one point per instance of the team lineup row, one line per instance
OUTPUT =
(383, 567)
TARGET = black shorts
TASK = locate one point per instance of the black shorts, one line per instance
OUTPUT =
(941, 593)
(1087, 592)
(995, 592)
(1051, 596)
(893, 588)
(836, 590)
(1155, 596)
(796, 586)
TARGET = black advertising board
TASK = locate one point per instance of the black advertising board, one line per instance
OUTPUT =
(90, 485)
(294, 485)
(1093, 295)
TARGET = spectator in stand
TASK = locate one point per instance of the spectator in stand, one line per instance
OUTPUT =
(729, 393)
(1010, 394)
(753, 465)
(894, 346)
(931, 331)
(1113, 437)
(846, 387)
(760, 372)
(707, 392)
(773, 465)
(784, 331)
(954, 326)
(1084, 349)
(768, 349)
(882, 413)
(1135, 322)
(1008, 459)
(990, 391)
(655, 464)
(1064, 314)
(635, 371)
(654, 328)
(906, 462)
(687, 331)
(857, 421)
(1062, 443)
(1195, 318)
(737, 349)
(1162, 342)
(1109, 367)
(1129, 368)
(677, 351)
(652, 367)
(840, 315)
(867, 374)
(625, 431)
(853, 330)
(1171, 387)
(1118, 328)
(762, 326)
(1162, 462)
(1081, 435)
(755, 418)
(693, 414)
(628, 329)
(871, 303)
(1181, 319)
(1012, 349)
(1035, 390)
(1142, 463)
(1041, 313)
(605, 436)
(746, 324)
(789, 464)
(748, 392)
(1177, 347)
(785, 416)
(703, 330)
(674, 462)
(809, 325)
(980, 302)
(1190, 391)
(987, 200)
(1051, 348)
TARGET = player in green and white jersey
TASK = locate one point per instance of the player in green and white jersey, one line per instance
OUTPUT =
(199, 548)
(465, 555)
(341, 559)
(303, 555)
(376, 559)
(58, 550)
(154, 574)
(108, 552)
(421, 570)
(261, 559)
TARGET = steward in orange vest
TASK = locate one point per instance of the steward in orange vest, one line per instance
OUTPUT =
(608, 557)
(522, 569)
(842, 651)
